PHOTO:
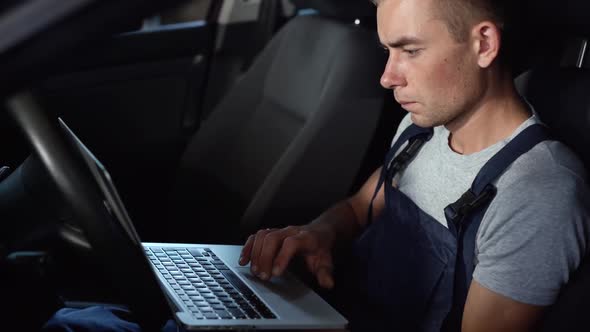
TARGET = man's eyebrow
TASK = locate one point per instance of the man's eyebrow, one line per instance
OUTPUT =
(403, 41)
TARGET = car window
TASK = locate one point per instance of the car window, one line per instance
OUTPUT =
(195, 10)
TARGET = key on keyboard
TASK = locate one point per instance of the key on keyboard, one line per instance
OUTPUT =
(197, 274)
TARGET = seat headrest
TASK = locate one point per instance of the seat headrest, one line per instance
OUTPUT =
(339, 8)
(564, 16)
(537, 29)
(560, 97)
(557, 87)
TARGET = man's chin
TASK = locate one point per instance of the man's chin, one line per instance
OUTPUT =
(422, 121)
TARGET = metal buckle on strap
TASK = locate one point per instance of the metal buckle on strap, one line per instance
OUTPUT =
(456, 212)
(407, 153)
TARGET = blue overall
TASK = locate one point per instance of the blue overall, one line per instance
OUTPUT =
(413, 272)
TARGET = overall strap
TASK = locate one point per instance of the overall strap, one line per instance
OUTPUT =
(465, 215)
(482, 190)
(416, 137)
(521, 144)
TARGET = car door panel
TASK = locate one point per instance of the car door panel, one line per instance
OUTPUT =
(134, 102)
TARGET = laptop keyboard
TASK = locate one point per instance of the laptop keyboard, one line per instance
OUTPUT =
(206, 285)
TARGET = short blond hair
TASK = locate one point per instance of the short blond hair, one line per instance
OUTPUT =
(459, 15)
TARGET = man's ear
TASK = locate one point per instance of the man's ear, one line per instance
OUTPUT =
(487, 40)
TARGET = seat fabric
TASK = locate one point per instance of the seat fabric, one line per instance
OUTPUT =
(288, 139)
(559, 91)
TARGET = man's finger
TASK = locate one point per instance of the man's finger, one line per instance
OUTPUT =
(321, 266)
(272, 243)
(300, 242)
(324, 277)
(246, 251)
(257, 248)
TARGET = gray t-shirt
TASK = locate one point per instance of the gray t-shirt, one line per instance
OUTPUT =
(534, 232)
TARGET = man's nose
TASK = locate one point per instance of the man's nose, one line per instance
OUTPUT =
(392, 76)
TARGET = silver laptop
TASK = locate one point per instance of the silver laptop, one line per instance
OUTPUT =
(205, 286)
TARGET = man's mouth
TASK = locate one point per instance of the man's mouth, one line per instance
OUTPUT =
(406, 103)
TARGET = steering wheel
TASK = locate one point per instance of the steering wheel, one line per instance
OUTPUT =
(123, 260)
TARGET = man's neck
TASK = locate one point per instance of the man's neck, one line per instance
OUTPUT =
(498, 114)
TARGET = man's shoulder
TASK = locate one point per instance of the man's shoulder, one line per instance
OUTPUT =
(548, 163)
(536, 229)
(549, 180)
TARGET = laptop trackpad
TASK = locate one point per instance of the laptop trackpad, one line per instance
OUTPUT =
(292, 300)
(287, 286)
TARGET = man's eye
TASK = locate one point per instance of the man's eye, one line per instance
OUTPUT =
(412, 52)
(385, 49)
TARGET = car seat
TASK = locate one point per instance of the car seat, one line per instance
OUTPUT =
(558, 87)
(289, 138)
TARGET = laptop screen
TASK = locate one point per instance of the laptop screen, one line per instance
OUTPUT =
(112, 200)
(119, 248)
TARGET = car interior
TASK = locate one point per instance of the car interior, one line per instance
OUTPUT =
(257, 114)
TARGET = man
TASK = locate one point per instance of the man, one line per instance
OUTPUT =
(498, 256)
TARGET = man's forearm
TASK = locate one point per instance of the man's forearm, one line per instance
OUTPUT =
(339, 223)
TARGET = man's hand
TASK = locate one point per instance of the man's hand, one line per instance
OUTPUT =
(271, 250)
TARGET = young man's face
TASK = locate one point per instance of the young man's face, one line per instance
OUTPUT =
(433, 76)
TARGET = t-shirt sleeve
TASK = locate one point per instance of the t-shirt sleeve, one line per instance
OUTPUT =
(532, 237)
